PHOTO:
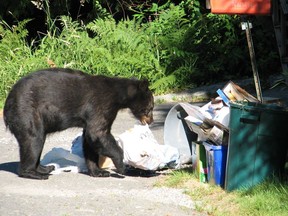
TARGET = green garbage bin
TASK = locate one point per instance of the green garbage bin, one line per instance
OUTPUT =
(258, 143)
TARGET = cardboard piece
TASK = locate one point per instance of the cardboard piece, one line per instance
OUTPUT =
(236, 93)
(213, 125)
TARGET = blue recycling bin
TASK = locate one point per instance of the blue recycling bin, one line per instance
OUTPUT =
(216, 159)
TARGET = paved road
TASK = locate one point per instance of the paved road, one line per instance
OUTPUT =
(79, 194)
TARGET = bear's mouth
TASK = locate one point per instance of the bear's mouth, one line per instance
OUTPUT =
(146, 120)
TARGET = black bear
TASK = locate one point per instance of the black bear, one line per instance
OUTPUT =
(55, 99)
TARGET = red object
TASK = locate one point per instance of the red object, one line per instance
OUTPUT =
(256, 7)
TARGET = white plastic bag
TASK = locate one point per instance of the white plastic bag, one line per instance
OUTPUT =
(141, 150)
(64, 161)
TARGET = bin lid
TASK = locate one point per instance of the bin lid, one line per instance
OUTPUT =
(174, 132)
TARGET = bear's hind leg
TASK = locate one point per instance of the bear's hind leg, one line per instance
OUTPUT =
(30, 152)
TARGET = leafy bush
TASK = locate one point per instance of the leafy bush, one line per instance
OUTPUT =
(174, 46)
(127, 50)
(166, 34)
(15, 55)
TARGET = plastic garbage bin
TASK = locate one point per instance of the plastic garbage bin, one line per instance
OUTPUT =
(257, 143)
(216, 159)
(178, 134)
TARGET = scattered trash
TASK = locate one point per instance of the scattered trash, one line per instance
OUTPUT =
(233, 92)
(141, 152)
(213, 125)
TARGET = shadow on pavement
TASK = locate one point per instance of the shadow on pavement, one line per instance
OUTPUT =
(10, 167)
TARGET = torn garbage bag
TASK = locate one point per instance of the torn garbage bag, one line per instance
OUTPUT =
(141, 150)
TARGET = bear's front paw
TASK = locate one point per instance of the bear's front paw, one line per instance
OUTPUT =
(45, 169)
(121, 170)
(99, 173)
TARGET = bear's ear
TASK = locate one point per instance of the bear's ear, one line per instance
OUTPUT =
(143, 85)
(139, 86)
(132, 91)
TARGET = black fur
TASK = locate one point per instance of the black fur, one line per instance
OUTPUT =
(55, 99)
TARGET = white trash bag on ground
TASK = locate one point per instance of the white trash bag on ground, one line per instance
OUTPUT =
(64, 161)
(142, 151)
(140, 148)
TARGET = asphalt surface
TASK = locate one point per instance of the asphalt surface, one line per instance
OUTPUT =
(80, 194)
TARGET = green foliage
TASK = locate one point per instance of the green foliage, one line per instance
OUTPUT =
(213, 39)
(166, 34)
(267, 198)
(71, 48)
(127, 51)
(15, 54)
(98, 10)
(175, 46)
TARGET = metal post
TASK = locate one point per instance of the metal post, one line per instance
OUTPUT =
(247, 26)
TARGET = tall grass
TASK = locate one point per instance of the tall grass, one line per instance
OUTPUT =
(15, 54)
(267, 198)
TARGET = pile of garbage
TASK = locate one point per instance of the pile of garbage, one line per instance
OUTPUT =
(213, 125)
(141, 151)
